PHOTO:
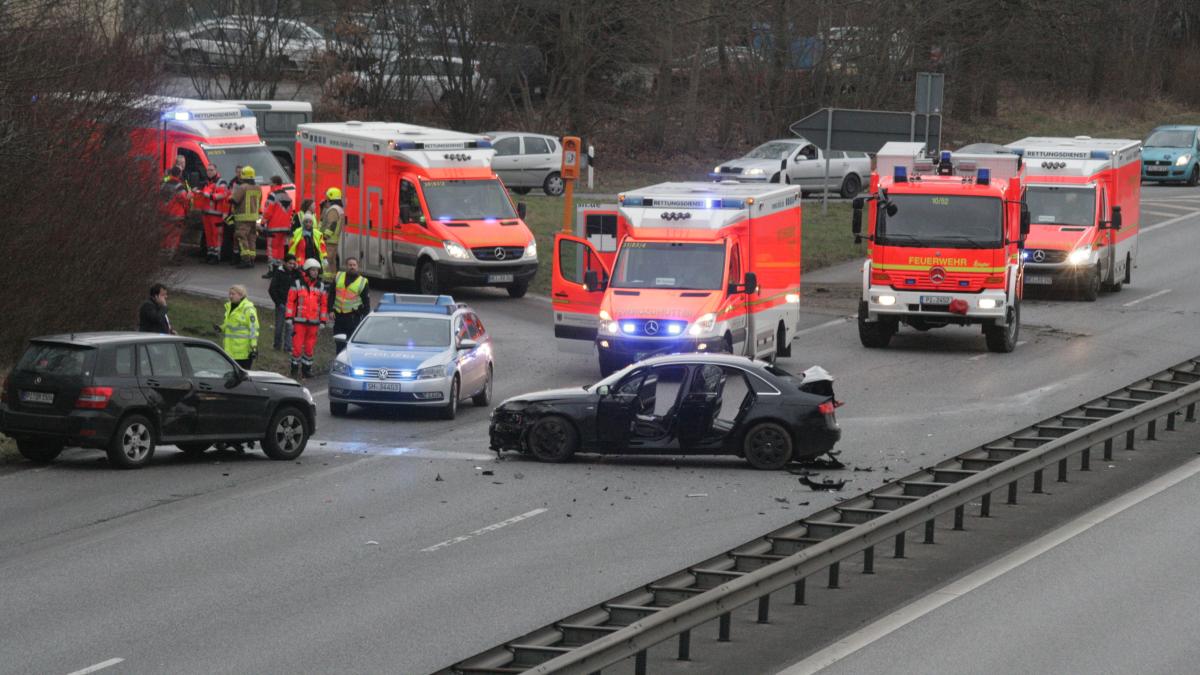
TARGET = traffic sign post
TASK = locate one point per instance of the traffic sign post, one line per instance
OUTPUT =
(570, 173)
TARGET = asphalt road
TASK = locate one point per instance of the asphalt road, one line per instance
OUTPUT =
(340, 561)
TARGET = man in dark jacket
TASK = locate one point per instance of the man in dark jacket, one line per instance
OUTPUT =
(282, 279)
(152, 316)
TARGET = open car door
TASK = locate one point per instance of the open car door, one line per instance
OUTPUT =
(576, 309)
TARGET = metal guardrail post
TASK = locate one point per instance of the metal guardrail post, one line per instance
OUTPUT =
(985, 506)
(1085, 460)
(929, 525)
(899, 546)
(1062, 470)
(685, 646)
(1108, 448)
(723, 628)
(764, 609)
(1037, 482)
(1012, 492)
(1171, 421)
(1129, 439)
(1191, 413)
(798, 594)
(869, 560)
(958, 516)
(833, 574)
(1150, 435)
(639, 663)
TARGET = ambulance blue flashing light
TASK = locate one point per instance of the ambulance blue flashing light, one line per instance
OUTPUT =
(483, 144)
(901, 174)
(1101, 154)
(633, 201)
(246, 112)
(733, 204)
(983, 176)
(178, 115)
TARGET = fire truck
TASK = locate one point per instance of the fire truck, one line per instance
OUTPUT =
(944, 244)
(206, 133)
(681, 267)
(1084, 198)
(421, 204)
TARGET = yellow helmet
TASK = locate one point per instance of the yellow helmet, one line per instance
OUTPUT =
(247, 172)
(333, 193)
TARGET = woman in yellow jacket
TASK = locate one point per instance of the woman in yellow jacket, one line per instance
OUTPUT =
(240, 328)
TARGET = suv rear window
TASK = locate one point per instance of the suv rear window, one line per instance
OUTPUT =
(54, 359)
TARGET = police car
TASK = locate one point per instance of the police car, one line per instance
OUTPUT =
(417, 350)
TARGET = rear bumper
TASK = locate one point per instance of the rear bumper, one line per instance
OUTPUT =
(816, 437)
(451, 275)
(908, 304)
(79, 427)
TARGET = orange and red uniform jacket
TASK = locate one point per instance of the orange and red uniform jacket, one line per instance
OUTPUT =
(308, 301)
(212, 200)
(278, 216)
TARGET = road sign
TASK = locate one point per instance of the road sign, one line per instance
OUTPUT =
(867, 130)
(930, 88)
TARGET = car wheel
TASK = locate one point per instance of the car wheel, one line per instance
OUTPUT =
(194, 449)
(39, 450)
(519, 190)
(851, 186)
(1003, 339)
(783, 348)
(518, 289)
(1089, 288)
(484, 397)
(287, 434)
(1194, 177)
(767, 446)
(554, 185)
(427, 281)
(132, 445)
(553, 439)
(450, 410)
(338, 409)
(873, 334)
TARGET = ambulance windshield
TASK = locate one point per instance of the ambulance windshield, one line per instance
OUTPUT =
(647, 264)
(1061, 205)
(467, 199)
(229, 158)
(941, 220)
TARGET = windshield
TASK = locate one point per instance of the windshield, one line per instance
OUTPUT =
(772, 150)
(467, 199)
(228, 158)
(646, 264)
(1174, 138)
(1061, 205)
(941, 220)
(403, 331)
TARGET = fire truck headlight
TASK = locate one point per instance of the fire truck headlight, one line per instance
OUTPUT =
(456, 250)
(703, 325)
(987, 303)
(531, 249)
(1080, 255)
(1183, 160)
(754, 172)
(886, 300)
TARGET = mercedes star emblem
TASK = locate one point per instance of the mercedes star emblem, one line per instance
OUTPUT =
(500, 253)
(1039, 256)
(937, 274)
(651, 327)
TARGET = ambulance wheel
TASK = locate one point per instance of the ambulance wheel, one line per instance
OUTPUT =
(553, 185)
(1089, 286)
(873, 334)
(519, 190)
(427, 280)
(1003, 339)
(851, 186)
(1194, 177)
(1118, 282)
(783, 348)
(517, 290)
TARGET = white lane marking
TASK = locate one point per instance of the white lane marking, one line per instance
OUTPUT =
(956, 589)
(1153, 295)
(1175, 205)
(1164, 214)
(484, 530)
(813, 329)
(1172, 221)
(99, 666)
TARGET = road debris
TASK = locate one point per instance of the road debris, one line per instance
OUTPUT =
(833, 485)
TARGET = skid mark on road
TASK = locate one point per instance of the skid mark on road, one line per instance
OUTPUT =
(484, 530)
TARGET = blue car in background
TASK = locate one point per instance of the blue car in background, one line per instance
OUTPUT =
(1172, 154)
(414, 350)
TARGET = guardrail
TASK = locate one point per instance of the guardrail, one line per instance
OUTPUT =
(1166, 395)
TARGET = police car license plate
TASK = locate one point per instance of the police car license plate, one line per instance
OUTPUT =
(935, 299)
(1039, 279)
(499, 278)
(383, 386)
(37, 397)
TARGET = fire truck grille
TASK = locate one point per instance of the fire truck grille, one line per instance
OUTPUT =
(954, 282)
(731, 169)
(493, 252)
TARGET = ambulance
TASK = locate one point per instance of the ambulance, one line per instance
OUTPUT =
(206, 133)
(421, 204)
(944, 244)
(1084, 197)
(681, 267)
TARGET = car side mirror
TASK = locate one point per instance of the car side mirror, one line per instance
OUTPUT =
(751, 284)
(856, 218)
(521, 210)
(1116, 221)
(340, 340)
(891, 209)
(592, 282)
(466, 345)
(602, 391)
(235, 378)
(1024, 222)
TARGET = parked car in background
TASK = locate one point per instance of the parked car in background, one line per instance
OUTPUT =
(799, 162)
(419, 79)
(292, 44)
(1172, 154)
(128, 393)
(526, 161)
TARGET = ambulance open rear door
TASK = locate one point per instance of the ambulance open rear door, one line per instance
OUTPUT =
(576, 307)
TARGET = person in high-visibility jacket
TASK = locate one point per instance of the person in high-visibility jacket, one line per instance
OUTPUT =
(307, 241)
(333, 220)
(176, 202)
(350, 300)
(239, 331)
(212, 202)
(277, 221)
(245, 203)
(307, 309)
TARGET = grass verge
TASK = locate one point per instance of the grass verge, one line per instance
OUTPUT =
(194, 316)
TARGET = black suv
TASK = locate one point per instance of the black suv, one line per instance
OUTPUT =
(128, 392)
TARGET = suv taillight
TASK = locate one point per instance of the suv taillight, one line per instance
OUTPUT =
(826, 408)
(94, 398)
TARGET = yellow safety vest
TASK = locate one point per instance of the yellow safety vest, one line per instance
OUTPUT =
(251, 205)
(240, 330)
(348, 299)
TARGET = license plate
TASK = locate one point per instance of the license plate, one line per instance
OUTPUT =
(383, 386)
(36, 397)
(935, 299)
(1039, 279)
(500, 278)
(1157, 172)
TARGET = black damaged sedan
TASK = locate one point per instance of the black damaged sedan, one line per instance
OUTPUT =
(682, 404)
